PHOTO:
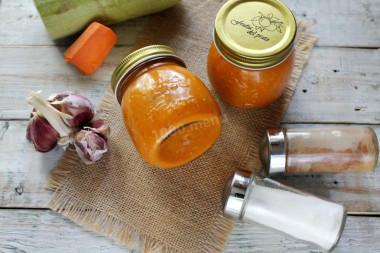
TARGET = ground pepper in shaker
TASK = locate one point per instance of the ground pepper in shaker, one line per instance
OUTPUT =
(294, 212)
(328, 149)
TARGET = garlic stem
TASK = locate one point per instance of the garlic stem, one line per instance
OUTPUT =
(49, 112)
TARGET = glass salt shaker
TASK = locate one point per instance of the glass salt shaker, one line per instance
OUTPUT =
(329, 149)
(299, 214)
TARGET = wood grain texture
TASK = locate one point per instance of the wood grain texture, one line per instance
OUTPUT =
(21, 24)
(23, 173)
(348, 23)
(352, 23)
(25, 68)
(337, 85)
(361, 234)
(45, 231)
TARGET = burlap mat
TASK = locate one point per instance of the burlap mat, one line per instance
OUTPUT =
(177, 210)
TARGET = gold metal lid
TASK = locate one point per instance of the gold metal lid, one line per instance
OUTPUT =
(137, 58)
(255, 33)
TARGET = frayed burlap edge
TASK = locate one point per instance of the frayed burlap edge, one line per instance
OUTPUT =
(89, 217)
(98, 221)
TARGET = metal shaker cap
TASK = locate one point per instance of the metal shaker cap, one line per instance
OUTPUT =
(234, 192)
(273, 151)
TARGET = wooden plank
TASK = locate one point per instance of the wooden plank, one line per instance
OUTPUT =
(46, 231)
(23, 69)
(349, 23)
(23, 173)
(21, 24)
(341, 23)
(360, 233)
(337, 85)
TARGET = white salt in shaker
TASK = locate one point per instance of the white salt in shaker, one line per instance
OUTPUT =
(294, 212)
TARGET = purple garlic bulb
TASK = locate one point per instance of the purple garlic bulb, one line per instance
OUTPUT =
(76, 110)
(41, 133)
(89, 146)
(60, 96)
(100, 127)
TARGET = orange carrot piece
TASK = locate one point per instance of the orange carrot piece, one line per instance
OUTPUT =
(91, 48)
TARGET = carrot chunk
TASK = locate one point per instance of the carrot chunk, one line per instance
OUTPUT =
(88, 52)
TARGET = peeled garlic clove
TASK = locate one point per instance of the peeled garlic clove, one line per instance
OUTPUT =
(100, 127)
(41, 133)
(89, 146)
(76, 110)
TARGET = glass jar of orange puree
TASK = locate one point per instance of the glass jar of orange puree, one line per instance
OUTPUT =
(252, 54)
(169, 113)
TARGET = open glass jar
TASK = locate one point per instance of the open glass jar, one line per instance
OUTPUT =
(252, 55)
(169, 113)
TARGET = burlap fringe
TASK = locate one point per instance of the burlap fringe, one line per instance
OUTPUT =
(217, 239)
(106, 224)
(100, 222)
(89, 216)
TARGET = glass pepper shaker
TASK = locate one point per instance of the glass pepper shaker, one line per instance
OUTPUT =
(329, 149)
(275, 205)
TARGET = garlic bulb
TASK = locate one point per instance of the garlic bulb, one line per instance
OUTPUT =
(51, 114)
(41, 133)
(66, 118)
(100, 127)
(76, 110)
(89, 146)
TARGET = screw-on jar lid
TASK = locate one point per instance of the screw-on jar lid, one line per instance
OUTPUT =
(273, 151)
(234, 194)
(135, 59)
(255, 33)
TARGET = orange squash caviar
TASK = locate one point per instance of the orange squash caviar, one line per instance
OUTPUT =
(169, 113)
(252, 55)
(247, 88)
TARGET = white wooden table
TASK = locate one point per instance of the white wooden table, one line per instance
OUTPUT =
(340, 85)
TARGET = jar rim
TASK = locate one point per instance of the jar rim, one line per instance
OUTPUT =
(291, 49)
(135, 60)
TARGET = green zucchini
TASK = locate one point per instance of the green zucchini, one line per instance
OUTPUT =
(66, 17)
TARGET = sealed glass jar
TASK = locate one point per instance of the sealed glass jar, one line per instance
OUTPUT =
(275, 205)
(319, 149)
(252, 55)
(170, 114)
